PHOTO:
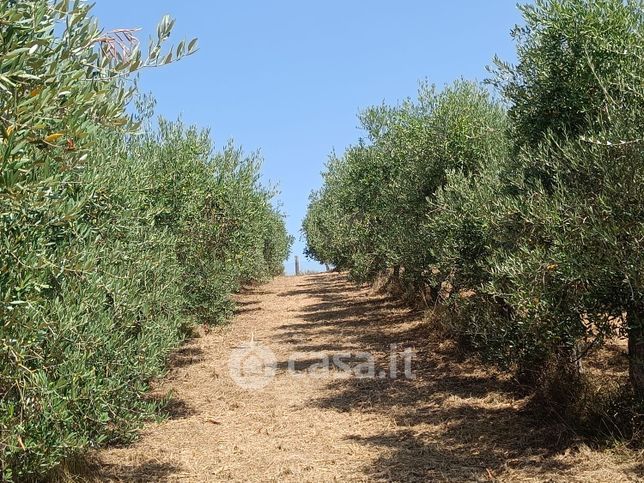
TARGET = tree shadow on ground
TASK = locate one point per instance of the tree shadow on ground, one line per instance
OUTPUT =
(143, 472)
(455, 420)
(246, 303)
(186, 355)
(174, 408)
(246, 310)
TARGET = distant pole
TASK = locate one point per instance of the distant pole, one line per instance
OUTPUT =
(297, 265)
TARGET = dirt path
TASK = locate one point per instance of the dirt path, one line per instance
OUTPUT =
(454, 421)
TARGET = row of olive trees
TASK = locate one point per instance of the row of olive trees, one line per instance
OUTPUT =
(525, 216)
(113, 241)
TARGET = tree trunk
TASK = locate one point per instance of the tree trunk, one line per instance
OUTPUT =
(396, 273)
(635, 319)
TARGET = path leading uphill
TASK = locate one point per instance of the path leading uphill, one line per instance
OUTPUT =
(454, 421)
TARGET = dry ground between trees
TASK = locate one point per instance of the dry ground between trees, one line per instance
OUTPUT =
(456, 421)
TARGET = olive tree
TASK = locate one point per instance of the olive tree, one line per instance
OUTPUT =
(577, 98)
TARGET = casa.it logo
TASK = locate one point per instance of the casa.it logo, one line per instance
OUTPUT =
(252, 365)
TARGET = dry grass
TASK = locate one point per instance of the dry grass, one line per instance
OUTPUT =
(456, 421)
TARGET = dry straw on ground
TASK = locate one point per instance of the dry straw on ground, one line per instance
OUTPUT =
(456, 421)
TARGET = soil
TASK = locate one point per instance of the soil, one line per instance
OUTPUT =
(455, 420)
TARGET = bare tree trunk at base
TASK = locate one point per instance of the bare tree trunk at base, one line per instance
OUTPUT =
(636, 351)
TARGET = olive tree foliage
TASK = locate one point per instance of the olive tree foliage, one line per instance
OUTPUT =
(228, 231)
(112, 241)
(578, 61)
(370, 214)
(533, 223)
(574, 274)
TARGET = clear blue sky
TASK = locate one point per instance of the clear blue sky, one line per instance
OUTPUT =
(289, 77)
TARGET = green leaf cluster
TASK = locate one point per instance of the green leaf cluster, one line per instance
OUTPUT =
(114, 240)
(524, 217)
